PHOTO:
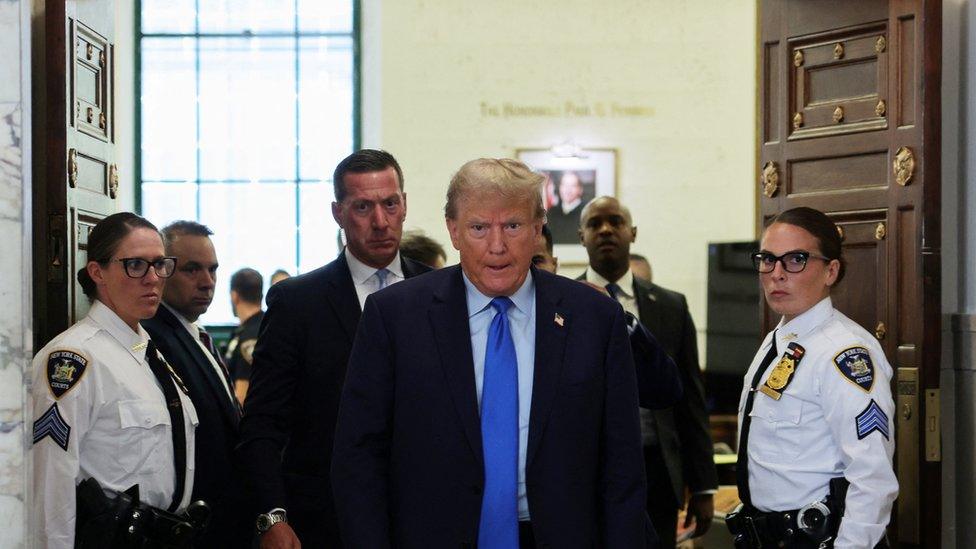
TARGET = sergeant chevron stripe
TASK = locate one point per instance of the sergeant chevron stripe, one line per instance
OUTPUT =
(872, 419)
(51, 424)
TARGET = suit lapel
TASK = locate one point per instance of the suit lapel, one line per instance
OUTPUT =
(550, 344)
(449, 320)
(193, 350)
(650, 313)
(342, 295)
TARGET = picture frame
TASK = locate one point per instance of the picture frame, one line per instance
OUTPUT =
(573, 177)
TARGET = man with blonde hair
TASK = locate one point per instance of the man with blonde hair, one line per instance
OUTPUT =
(491, 404)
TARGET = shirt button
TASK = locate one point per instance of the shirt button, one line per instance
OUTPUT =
(148, 421)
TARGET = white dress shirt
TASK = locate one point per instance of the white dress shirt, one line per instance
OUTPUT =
(812, 433)
(625, 296)
(521, 318)
(118, 426)
(628, 301)
(364, 277)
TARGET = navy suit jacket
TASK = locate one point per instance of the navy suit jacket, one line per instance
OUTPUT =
(215, 479)
(683, 430)
(290, 412)
(408, 467)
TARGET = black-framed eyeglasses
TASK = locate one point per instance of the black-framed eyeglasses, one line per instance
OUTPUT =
(137, 267)
(793, 262)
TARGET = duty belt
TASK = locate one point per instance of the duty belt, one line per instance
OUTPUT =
(813, 526)
(754, 529)
(118, 520)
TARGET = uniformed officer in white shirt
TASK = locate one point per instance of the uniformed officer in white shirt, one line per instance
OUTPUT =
(816, 435)
(100, 410)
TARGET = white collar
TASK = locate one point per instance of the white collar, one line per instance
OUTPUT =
(523, 298)
(361, 272)
(108, 320)
(803, 323)
(191, 327)
(626, 282)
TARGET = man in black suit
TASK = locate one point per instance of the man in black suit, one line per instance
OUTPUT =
(658, 380)
(299, 362)
(190, 351)
(677, 443)
(491, 403)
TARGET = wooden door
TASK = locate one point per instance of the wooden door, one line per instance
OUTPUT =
(850, 122)
(75, 176)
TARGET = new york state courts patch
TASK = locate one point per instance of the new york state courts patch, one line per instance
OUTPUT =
(855, 364)
(64, 370)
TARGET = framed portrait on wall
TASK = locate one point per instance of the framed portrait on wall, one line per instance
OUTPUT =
(572, 180)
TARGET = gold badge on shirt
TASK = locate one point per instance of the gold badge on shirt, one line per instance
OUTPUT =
(782, 374)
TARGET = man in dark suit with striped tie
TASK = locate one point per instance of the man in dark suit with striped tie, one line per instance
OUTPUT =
(491, 404)
(189, 349)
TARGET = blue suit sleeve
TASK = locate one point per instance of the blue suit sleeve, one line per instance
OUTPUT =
(624, 489)
(658, 380)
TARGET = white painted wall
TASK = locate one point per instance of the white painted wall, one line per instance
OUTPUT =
(686, 163)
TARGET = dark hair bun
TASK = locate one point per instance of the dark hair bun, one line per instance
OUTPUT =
(87, 284)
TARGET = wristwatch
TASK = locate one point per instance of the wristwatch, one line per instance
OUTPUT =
(269, 519)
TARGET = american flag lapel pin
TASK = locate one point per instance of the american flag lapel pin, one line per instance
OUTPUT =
(559, 319)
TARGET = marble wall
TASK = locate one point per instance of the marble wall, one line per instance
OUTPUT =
(15, 265)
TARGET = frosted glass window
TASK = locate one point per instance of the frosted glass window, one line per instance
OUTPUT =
(245, 108)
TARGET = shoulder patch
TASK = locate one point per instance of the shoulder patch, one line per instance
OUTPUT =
(854, 363)
(872, 419)
(51, 424)
(247, 350)
(64, 370)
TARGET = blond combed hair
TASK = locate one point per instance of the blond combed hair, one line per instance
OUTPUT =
(498, 177)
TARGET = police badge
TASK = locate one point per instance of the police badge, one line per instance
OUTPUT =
(64, 370)
(782, 374)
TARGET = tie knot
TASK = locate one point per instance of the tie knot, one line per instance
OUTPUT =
(501, 304)
(614, 290)
(381, 275)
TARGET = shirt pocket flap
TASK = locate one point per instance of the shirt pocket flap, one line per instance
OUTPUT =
(788, 409)
(141, 413)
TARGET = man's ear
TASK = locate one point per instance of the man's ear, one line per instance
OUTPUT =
(336, 208)
(633, 234)
(452, 229)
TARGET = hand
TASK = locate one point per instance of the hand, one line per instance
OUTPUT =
(701, 507)
(280, 536)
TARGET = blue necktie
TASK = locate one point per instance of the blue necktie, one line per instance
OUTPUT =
(500, 435)
(614, 290)
(381, 275)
